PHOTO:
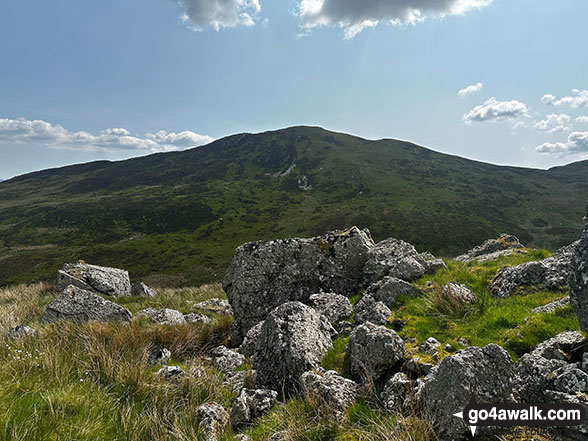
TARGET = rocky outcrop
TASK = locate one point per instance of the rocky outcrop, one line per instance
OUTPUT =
(21, 331)
(491, 249)
(552, 273)
(252, 404)
(534, 375)
(396, 391)
(164, 316)
(98, 279)
(139, 289)
(331, 389)
(226, 360)
(213, 419)
(447, 389)
(293, 339)
(333, 306)
(579, 279)
(567, 346)
(458, 292)
(79, 305)
(373, 351)
(371, 310)
(266, 274)
(394, 258)
(553, 306)
(389, 289)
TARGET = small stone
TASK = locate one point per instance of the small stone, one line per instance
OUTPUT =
(333, 306)
(170, 372)
(396, 391)
(159, 357)
(216, 306)
(369, 309)
(226, 360)
(194, 317)
(459, 292)
(213, 420)
(330, 388)
(139, 289)
(163, 316)
(21, 331)
(251, 404)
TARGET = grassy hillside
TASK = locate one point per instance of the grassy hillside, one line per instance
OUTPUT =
(91, 381)
(177, 217)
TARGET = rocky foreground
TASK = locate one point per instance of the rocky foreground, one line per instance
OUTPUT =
(290, 299)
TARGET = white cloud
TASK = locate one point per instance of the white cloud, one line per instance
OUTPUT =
(470, 90)
(22, 131)
(577, 142)
(355, 15)
(582, 120)
(219, 14)
(577, 100)
(554, 123)
(494, 110)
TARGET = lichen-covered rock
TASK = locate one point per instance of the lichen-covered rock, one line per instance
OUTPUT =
(534, 375)
(140, 289)
(293, 339)
(213, 420)
(553, 306)
(333, 306)
(216, 306)
(503, 245)
(396, 391)
(164, 316)
(434, 265)
(169, 373)
(226, 360)
(430, 346)
(373, 351)
(238, 380)
(574, 433)
(394, 258)
(553, 273)
(578, 280)
(266, 274)
(567, 346)
(447, 389)
(330, 388)
(21, 331)
(97, 279)
(247, 348)
(252, 404)
(159, 357)
(369, 309)
(78, 305)
(571, 380)
(388, 289)
(459, 292)
(194, 317)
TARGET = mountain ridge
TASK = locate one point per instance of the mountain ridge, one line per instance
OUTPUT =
(180, 214)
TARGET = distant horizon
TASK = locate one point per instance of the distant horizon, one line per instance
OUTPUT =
(287, 128)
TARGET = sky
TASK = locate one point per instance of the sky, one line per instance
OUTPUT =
(500, 81)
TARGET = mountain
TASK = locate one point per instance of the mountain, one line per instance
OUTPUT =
(177, 217)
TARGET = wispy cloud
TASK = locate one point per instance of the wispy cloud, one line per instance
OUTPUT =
(577, 100)
(470, 90)
(582, 120)
(494, 110)
(23, 131)
(353, 16)
(219, 14)
(577, 142)
(554, 123)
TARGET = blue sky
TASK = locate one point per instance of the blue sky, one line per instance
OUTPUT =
(82, 80)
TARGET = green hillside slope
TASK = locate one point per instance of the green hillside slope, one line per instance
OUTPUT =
(177, 217)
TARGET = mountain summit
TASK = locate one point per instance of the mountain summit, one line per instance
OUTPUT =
(180, 215)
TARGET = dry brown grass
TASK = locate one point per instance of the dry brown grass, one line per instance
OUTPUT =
(23, 304)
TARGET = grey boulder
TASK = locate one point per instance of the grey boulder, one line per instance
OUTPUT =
(226, 360)
(371, 310)
(252, 404)
(487, 372)
(159, 357)
(331, 389)
(79, 305)
(247, 348)
(553, 273)
(194, 317)
(567, 346)
(503, 245)
(578, 280)
(388, 289)
(553, 306)
(140, 289)
(170, 373)
(333, 306)
(216, 306)
(99, 279)
(373, 351)
(266, 274)
(164, 316)
(293, 339)
(396, 391)
(394, 258)
(458, 292)
(213, 419)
